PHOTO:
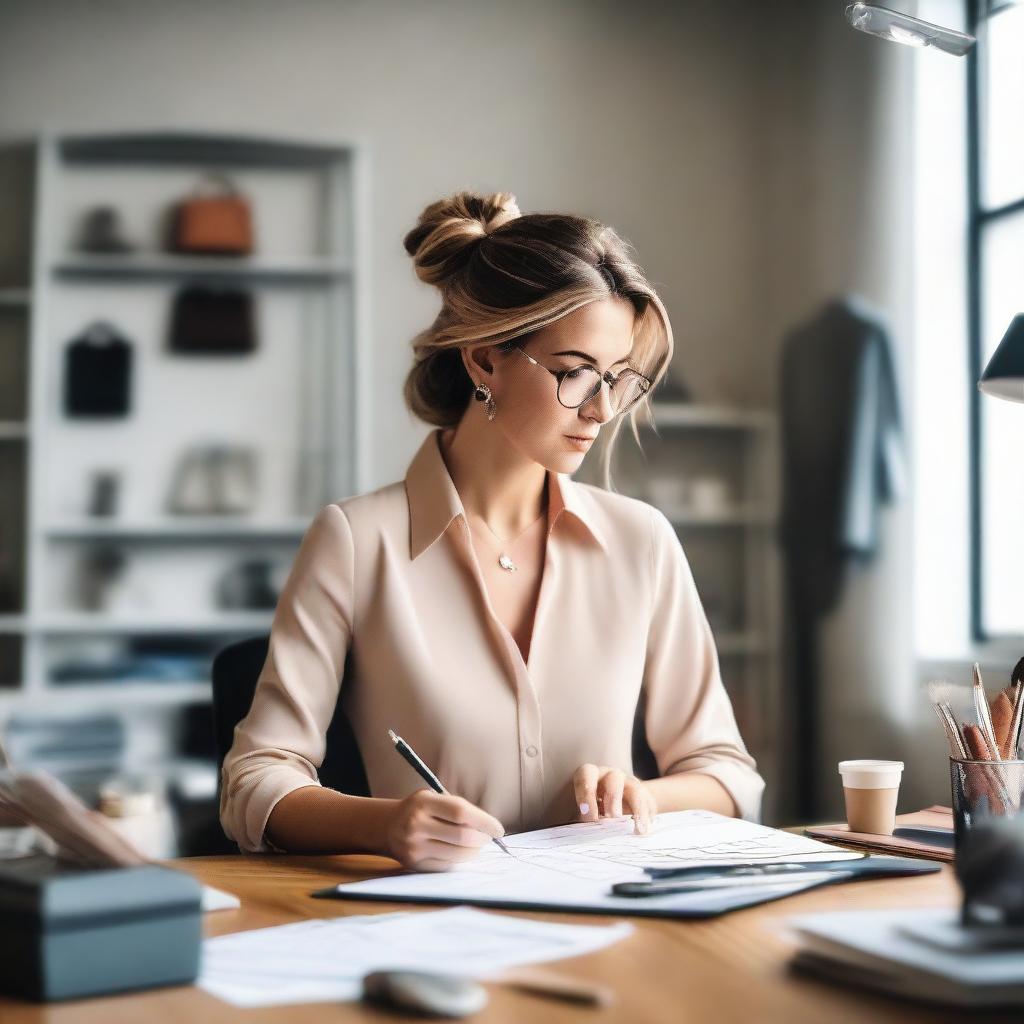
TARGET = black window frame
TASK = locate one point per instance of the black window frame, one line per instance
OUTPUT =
(979, 218)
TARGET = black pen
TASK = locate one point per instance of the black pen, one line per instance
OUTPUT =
(749, 868)
(425, 773)
(684, 885)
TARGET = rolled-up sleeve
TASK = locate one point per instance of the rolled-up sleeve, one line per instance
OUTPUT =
(689, 718)
(279, 746)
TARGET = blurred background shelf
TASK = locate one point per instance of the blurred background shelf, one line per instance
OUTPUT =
(158, 266)
(112, 620)
(710, 417)
(174, 529)
(737, 515)
(13, 431)
(15, 298)
(105, 624)
(70, 697)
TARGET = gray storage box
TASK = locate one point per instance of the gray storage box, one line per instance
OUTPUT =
(67, 932)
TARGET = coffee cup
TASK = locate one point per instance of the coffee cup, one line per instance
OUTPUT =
(871, 789)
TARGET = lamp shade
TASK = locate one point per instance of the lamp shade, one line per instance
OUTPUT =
(1004, 375)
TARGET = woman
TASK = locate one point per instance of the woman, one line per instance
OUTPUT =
(503, 618)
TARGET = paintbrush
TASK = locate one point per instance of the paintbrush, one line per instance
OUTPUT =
(1017, 681)
(1013, 737)
(984, 715)
(940, 693)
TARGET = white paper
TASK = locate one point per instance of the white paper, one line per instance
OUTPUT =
(325, 960)
(218, 899)
(574, 866)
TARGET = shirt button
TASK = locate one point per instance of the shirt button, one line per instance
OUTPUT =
(531, 751)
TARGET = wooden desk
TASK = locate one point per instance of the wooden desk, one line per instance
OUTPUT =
(729, 969)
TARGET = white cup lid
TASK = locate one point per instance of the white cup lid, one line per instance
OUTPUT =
(871, 774)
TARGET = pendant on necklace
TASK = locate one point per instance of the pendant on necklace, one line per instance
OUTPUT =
(506, 563)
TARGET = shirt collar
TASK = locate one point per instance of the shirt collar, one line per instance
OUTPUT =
(434, 502)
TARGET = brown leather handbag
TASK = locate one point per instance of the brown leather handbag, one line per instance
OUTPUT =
(215, 219)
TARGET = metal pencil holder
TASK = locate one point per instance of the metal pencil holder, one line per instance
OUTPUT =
(983, 790)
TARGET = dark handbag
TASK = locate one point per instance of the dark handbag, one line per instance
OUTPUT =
(97, 372)
(218, 223)
(207, 321)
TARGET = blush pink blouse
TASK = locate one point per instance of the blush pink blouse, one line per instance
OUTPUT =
(391, 579)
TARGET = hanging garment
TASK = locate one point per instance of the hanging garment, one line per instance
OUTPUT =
(97, 372)
(842, 458)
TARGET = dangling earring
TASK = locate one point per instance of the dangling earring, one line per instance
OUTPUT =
(482, 393)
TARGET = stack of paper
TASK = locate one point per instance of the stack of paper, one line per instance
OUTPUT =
(881, 949)
(573, 867)
(319, 961)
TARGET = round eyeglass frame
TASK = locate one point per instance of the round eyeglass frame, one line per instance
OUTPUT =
(606, 377)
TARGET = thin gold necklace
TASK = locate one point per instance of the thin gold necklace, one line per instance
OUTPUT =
(504, 559)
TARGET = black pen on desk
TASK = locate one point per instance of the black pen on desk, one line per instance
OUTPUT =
(424, 772)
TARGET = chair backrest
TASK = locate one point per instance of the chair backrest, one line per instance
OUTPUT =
(236, 670)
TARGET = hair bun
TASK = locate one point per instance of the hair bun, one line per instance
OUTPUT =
(444, 236)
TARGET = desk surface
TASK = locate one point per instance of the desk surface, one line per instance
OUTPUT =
(729, 969)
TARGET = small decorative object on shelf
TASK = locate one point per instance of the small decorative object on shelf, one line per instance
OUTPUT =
(216, 480)
(102, 232)
(104, 488)
(216, 222)
(672, 388)
(213, 321)
(248, 585)
(97, 372)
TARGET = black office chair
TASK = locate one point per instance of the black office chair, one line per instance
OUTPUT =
(236, 670)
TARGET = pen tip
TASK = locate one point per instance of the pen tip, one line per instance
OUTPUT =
(392, 734)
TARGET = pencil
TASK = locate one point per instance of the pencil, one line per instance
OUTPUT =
(984, 715)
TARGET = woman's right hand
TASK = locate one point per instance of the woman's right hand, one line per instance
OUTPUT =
(433, 831)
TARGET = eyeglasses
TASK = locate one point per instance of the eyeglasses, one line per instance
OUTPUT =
(580, 384)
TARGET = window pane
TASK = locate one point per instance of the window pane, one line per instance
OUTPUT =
(1002, 440)
(1003, 150)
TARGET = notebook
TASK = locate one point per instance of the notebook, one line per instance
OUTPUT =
(873, 948)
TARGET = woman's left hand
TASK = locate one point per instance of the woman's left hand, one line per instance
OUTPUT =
(603, 792)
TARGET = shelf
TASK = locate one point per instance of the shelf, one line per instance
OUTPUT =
(740, 643)
(99, 624)
(158, 266)
(177, 148)
(199, 528)
(12, 623)
(737, 515)
(88, 695)
(13, 430)
(15, 297)
(710, 417)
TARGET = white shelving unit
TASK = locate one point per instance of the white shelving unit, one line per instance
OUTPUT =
(731, 546)
(297, 402)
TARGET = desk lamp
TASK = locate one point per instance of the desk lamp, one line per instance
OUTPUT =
(1004, 375)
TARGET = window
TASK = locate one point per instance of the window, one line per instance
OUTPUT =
(995, 269)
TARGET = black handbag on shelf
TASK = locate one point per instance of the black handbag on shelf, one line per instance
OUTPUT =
(208, 321)
(97, 372)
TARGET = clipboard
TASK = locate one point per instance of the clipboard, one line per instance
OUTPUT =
(690, 906)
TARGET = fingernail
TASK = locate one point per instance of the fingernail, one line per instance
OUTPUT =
(584, 808)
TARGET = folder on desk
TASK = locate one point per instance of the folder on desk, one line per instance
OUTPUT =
(573, 867)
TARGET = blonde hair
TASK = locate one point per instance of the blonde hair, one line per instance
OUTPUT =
(504, 275)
